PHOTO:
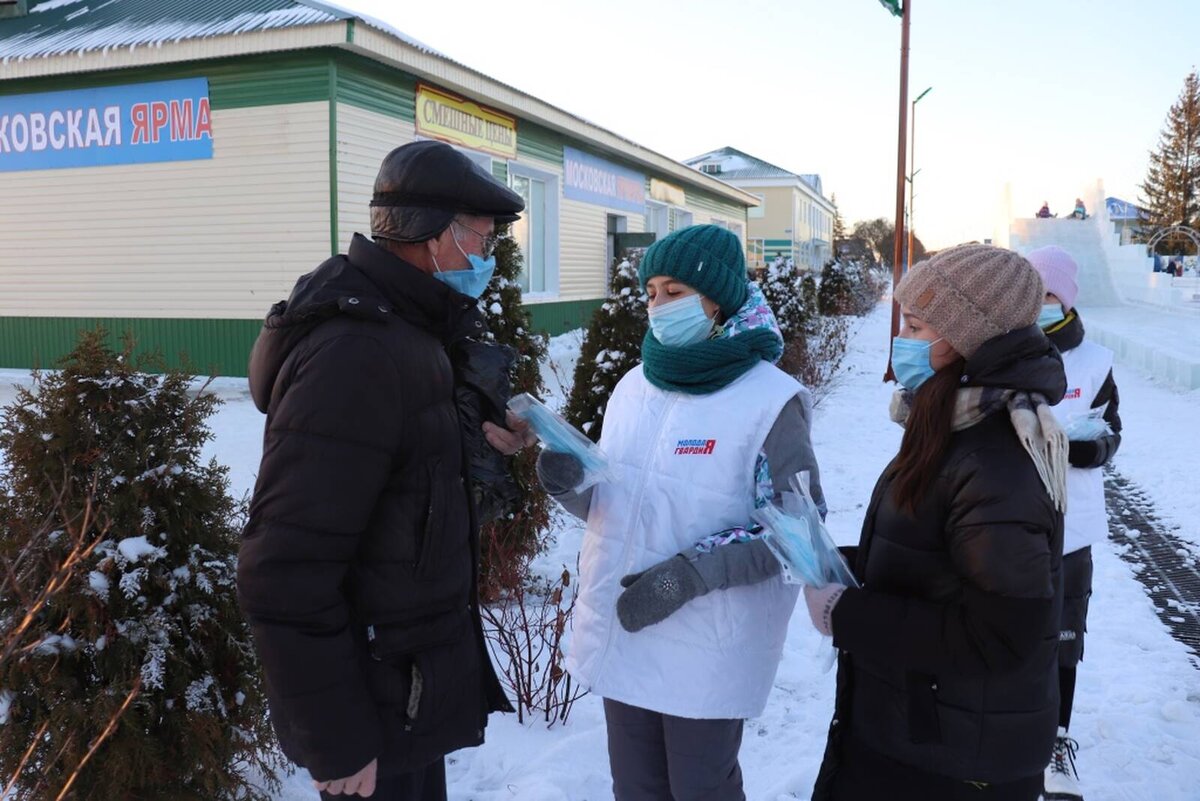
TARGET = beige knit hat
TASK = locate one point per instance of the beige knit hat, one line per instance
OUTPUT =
(972, 293)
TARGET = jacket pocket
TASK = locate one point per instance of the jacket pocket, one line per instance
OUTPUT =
(923, 723)
(422, 661)
(433, 531)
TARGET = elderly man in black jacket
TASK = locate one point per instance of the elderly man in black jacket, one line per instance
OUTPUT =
(358, 565)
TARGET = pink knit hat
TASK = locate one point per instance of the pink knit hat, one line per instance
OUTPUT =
(1058, 271)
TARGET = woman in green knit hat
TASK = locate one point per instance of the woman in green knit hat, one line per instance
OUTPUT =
(682, 611)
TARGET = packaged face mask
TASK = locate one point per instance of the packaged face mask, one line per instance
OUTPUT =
(798, 538)
(1087, 427)
(556, 434)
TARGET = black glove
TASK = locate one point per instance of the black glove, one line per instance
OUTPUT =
(559, 472)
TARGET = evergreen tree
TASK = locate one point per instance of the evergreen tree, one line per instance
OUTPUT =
(783, 287)
(1172, 186)
(508, 543)
(107, 512)
(612, 346)
(839, 225)
(835, 295)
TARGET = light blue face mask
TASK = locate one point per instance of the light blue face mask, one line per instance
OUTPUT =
(910, 361)
(681, 322)
(472, 281)
(1051, 313)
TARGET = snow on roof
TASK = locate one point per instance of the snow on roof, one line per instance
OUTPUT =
(59, 27)
(49, 5)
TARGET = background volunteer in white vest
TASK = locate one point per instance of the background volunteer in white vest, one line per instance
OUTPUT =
(1090, 389)
(682, 611)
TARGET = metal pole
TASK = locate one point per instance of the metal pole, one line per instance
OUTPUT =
(898, 243)
(912, 179)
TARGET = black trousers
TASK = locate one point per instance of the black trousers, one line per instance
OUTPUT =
(427, 784)
(657, 757)
(1077, 590)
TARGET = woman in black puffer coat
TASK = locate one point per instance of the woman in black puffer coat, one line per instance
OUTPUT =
(947, 675)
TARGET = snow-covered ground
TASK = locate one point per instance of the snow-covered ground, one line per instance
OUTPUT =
(1137, 713)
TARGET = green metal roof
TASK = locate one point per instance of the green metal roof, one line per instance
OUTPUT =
(59, 27)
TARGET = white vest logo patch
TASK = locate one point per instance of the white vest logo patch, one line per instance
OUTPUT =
(695, 447)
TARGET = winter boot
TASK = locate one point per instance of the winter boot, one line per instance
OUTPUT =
(1061, 782)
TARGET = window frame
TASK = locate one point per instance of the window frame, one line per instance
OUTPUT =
(553, 200)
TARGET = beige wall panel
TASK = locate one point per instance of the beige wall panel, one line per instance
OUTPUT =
(584, 247)
(582, 250)
(364, 138)
(220, 238)
(777, 217)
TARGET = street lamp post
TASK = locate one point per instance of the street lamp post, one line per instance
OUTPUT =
(904, 11)
(912, 161)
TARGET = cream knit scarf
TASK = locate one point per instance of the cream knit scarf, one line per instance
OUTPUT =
(1040, 434)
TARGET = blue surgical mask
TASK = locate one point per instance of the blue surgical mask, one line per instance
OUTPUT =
(681, 322)
(1051, 313)
(910, 361)
(472, 281)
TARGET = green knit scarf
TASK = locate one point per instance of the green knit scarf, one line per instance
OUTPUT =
(706, 366)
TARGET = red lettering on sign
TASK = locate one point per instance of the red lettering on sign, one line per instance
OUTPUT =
(139, 115)
(203, 120)
(158, 118)
(181, 120)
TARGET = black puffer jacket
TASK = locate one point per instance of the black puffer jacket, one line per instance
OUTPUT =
(358, 564)
(948, 661)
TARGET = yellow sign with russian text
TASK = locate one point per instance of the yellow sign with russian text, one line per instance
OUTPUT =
(667, 193)
(444, 116)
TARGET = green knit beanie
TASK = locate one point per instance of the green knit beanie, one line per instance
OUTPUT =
(707, 258)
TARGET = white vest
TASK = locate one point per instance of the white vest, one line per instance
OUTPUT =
(1086, 521)
(686, 470)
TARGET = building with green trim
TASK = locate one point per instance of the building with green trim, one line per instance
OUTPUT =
(793, 218)
(170, 168)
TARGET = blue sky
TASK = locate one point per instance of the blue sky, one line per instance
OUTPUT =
(1044, 95)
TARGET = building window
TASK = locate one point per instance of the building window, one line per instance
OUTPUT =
(657, 221)
(711, 168)
(759, 211)
(536, 231)
(680, 218)
(755, 253)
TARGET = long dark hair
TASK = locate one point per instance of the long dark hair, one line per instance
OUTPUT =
(926, 436)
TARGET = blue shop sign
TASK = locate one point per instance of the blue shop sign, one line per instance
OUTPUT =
(129, 124)
(594, 180)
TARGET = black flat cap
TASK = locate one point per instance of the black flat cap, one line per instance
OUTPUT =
(422, 185)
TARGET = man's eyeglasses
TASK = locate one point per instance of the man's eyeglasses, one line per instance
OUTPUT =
(487, 241)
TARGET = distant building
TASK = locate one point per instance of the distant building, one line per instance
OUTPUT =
(1126, 218)
(794, 219)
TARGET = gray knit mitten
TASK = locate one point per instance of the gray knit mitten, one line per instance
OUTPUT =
(655, 594)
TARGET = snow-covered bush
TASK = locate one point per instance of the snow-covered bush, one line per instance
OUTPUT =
(612, 346)
(131, 673)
